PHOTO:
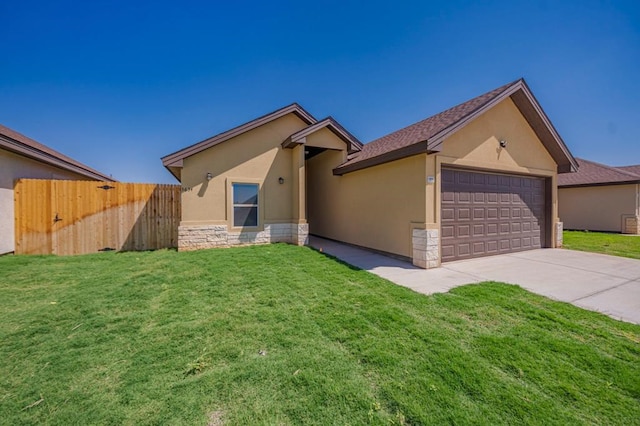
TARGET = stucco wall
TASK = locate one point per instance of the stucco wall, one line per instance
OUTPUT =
(255, 156)
(12, 167)
(324, 138)
(477, 146)
(598, 208)
(375, 207)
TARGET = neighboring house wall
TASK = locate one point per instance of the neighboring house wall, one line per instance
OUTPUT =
(252, 157)
(375, 207)
(12, 167)
(600, 208)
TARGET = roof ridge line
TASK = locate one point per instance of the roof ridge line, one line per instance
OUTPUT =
(613, 168)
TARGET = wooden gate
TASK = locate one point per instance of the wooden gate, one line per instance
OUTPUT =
(75, 217)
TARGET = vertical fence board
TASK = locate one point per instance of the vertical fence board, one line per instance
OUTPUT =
(127, 216)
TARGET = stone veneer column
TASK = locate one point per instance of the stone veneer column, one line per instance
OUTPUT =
(631, 225)
(300, 234)
(426, 248)
(559, 230)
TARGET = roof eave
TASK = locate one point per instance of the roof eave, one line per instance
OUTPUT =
(559, 151)
(176, 172)
(407, 151)
(229, 134)
(21, 149)
(299, 137)
(583, 185)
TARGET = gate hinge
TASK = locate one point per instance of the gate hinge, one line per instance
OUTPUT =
(106, 187)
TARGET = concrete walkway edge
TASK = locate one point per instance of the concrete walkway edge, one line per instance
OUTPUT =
(598, 282)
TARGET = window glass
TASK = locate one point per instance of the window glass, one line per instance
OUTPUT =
(245, 204)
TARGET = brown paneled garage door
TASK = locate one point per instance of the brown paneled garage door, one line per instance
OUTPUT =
(485, 214)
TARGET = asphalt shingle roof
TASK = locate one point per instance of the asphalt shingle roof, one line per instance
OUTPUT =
(425, 129)
(591, 173)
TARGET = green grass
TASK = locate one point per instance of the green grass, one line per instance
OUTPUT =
(285, 335)
(602, 242)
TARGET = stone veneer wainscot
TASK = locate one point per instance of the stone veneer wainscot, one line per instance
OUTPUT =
(631, 225)
(196, 237)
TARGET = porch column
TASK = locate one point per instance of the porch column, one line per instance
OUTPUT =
(300, 234)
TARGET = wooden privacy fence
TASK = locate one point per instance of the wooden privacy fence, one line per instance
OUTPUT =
(74, 217)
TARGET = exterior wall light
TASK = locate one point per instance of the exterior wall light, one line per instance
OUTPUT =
(503, 143)
(280, 180)
(209, 176)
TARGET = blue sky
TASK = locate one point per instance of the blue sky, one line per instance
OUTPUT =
(117, 85)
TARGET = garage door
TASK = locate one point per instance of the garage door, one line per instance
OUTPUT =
(485, 214)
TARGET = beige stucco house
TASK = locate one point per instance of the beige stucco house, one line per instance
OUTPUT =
(475, 180)
(601, 198)
(22, 157)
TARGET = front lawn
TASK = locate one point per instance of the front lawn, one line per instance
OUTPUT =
(285, 335)
(602, 242)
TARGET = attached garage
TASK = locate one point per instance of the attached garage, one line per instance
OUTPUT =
(483, 183)
(489, 213)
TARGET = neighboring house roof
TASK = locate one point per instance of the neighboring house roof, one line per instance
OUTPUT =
(633, 169)
(173, 162)
(596, 174)
(428, 135)
(18, 143)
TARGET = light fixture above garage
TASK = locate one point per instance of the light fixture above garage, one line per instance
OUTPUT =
(503, 143)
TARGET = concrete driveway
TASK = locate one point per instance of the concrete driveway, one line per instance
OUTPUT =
(598, 282)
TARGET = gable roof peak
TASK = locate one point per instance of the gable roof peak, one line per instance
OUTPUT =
(353, 144)
(428, 135)
(175, 159)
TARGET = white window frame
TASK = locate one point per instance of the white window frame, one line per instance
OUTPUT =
(233, 205)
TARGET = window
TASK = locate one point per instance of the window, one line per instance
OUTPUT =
(245, 204)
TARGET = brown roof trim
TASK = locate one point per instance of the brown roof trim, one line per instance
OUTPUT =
(330, 123)
(521, 96)
(407, 151)
(532, 111)
(585, 185)
(175, 159)
(435, 141)
(20, 144)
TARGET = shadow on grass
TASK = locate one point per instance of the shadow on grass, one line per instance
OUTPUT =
(175, 249)
(336, 259)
